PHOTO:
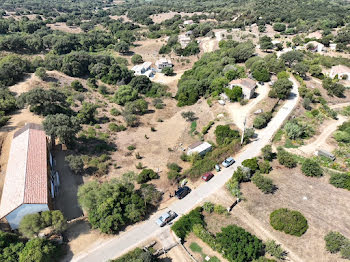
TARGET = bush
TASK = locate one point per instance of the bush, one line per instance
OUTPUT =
(340, 180)
(264, 184)
(224, 134)
(264, 167)
(184, 225)
(208, 207)
(76, 163)
(252, 164)
(267, 153)
(115, 112)
(219, 209)
(275, 249)
(174, 166)
(207, 127)
(289, 221)
(168, 71)
(311, 168)
(138, 255)
(146, 175)
(77, 86)
(204, 235)
(238, 245)
(136, 59)
(285, 158)
(334, 241)
(115, 128)
(262, 120)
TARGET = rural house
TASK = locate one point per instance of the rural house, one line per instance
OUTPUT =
(143, 69)
(188, 22)
(200, 148)
(314, 46)
(340, 71)
(30, 183)
(184, 40)
(163, 62)
(248, 86)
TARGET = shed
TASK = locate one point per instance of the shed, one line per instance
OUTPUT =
(321, 152)
(248, 86)
(28, 185)
(199, 147)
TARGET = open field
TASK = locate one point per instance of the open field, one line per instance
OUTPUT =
(64, 28)
(324, 206)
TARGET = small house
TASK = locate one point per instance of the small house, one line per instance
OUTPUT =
(200, 148)
(188, 22)
(30, 182)
(184, 40)
(314, 46)
(340, 71)
(163, 62)
(248, 86)
(333, 46)
(144, 69)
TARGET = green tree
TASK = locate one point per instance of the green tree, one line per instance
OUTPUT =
(267, 153)
(139, 106)
(141, 83)
(292, 57)
(136, 59)
(333, 87)
(61, 126)
(225, 135)
(122, 47)
(234, 94)
(41, 73)
(251, 163)
(264, 184)
(146, 175)
(262, 120)
(334, 241)
(260, 71)
(281, 89)
(285, 158)
(39, 250)
(77, 86)
(311, 168)
(86, 114)
(44, 102)
(168, 71)
(125, 94)
(315, 70)
(279, 27)
(242, 51)
(265, 43)
(275, 249)
(30, 225)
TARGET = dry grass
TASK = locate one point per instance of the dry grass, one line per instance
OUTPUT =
(64, 28)
(324, 206)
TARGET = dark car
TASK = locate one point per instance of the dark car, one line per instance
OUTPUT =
(207, 176)
(182, 192)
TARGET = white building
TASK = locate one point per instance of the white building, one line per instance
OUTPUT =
(143, 69)
(333, 46)
(184, 40)
(341, 71)
(248, 86)
(164, 62)
(314, 46)
(29, 183)
(188, 22)
(200, 148)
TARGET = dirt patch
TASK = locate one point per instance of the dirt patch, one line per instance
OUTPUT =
(29, 83)
(324, 206)
(60, 26)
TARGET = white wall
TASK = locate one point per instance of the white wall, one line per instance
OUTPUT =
(15, 217)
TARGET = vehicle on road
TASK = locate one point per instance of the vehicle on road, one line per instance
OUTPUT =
(182, 192)
(166, 218)
(207, 176)
(228, 162)
(217, 168)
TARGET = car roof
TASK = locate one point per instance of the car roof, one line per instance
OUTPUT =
(164, 216)
(229, 158)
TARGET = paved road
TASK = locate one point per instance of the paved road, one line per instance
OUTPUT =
(147, 229)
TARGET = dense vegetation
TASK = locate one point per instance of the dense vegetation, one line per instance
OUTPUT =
(138, 255)
(113, 205)
(289, 221)
(14, 248)
(336, 242)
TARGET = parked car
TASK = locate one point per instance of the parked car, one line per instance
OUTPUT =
(217, 168)
(207, 176)
(182, 192)
(228, 162)
(261, 83)
(166, 218)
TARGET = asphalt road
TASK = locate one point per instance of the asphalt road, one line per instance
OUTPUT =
(139, 233)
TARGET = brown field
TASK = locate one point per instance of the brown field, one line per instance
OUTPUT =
(324, 206)
(158, 18)
(64, 28)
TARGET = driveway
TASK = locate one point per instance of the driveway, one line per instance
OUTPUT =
(67, 200)
(139, 233)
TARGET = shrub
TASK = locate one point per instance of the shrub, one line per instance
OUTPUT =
(285, 158)
(340, 180)
(267, 153)
(204, 235)
(264, 184)
(289, 221)
(262, 120)
(275, 249)
(115, 128)
(184, 225)
(224, 134)
(238, 245)
(146, 175)
(174, 166)
(76, 163)
(334, 241)
(252, 164)
(77, 86)
(138, 255)
(131, 147)
(208, 207)
(207, 127)
(219, 209)
(311, 168)
(115, 112)
(264, 167)
(345, 250)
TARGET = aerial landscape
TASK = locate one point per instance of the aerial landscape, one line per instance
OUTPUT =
(174, 131)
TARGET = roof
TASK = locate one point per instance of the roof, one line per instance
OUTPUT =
(26, 175)
(163, 61)
(340, 69)
(141, 66)
(244, 83)
(200, 146)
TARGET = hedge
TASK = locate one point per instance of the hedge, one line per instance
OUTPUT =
(184, 225)
(289, 221)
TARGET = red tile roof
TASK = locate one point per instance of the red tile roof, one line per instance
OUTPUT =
(26, 180)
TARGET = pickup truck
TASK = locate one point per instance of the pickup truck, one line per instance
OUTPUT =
(166, 218)
(228, 162)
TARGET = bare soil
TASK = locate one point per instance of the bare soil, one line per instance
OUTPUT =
(324, 206)
(61, 26)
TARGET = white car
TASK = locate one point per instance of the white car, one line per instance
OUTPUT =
(166, 218)
(228, 162)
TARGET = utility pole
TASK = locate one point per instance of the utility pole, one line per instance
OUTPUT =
(243, 130)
